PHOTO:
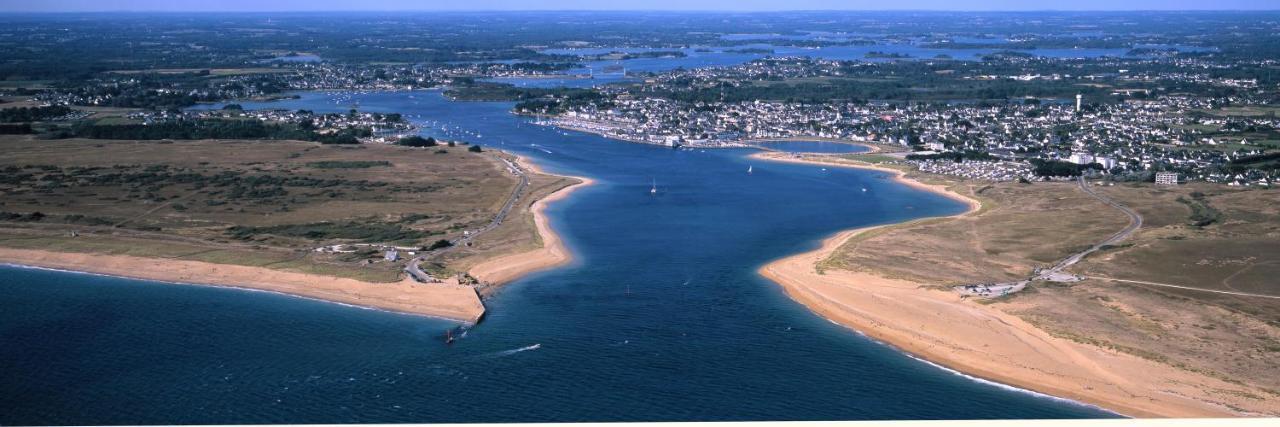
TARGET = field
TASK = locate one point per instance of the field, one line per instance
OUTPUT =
(1233, 248)
(255, 203)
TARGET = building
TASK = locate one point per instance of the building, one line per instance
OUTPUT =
(392, 255)
(1166, 178)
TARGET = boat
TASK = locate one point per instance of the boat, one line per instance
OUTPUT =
(749, 167)
(654, 189)
(448, 337)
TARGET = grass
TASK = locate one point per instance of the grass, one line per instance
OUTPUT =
(252, 198)
(348, 164)
(1198, 235)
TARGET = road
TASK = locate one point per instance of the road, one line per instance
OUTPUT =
(1135, 222)
(421, 276)
(1057, 273)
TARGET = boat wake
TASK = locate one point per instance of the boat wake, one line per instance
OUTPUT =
(506, 353)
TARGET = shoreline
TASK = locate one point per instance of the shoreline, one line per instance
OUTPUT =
(983, 342)
(553, 253)
(557, 123)
(898, 176)
(446, 301)
(237, 288)
(449, 301)
(870, 146)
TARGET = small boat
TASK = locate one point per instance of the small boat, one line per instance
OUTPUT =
(864, 189)
(749, 168)
(654, 189)
(448, 337)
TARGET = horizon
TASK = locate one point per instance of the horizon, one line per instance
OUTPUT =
(750, 6)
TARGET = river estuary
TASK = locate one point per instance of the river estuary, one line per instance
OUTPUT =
(661, 317)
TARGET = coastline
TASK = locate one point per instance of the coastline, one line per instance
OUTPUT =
(553, 253)
(982, 341)
(898, 176)
(447, 301)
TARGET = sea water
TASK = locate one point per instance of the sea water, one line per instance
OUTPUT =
(661, 317)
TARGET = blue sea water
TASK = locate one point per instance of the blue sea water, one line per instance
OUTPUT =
(661, 317)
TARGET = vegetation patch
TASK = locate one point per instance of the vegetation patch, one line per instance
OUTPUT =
(372, 232)
(1202, 214)
(349, 164)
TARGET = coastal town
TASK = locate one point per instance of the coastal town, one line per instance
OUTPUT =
(1133, 127)
(532, 216)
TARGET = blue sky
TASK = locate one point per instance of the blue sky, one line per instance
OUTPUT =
(743, 5)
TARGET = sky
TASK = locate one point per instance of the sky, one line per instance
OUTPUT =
(738, 5)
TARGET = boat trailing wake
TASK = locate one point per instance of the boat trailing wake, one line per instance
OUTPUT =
(506, 353)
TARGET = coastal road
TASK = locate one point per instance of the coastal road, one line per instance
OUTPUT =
(1057, 273)
(1135, 222)
(523, 184)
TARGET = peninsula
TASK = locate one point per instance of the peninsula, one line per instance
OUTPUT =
(328, 222)
(901, 284)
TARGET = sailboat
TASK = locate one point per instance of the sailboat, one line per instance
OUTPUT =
(749, 167)
(654, 189)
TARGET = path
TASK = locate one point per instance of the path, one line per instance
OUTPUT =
(1135, 222)
(514, 167)
(1166, 285)
(1057, 272)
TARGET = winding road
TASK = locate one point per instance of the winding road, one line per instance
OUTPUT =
(514, 167)
(1135, 222)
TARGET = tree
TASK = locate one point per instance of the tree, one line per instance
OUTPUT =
(442, 243)
(417, 141)
(474, 148)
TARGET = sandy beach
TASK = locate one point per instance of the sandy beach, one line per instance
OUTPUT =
(985, 342)
(449, 301)
(553, 252)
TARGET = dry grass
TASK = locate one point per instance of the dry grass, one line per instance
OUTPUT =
(424, 195)
(1022, 226)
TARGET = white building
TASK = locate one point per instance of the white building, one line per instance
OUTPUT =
(1166, 178)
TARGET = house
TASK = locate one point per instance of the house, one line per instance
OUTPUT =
(1166, 178)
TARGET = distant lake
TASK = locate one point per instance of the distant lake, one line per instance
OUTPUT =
(304, 57)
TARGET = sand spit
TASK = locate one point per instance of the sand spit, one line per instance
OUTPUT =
(985, 342)
(449, 301)
(553, 252)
